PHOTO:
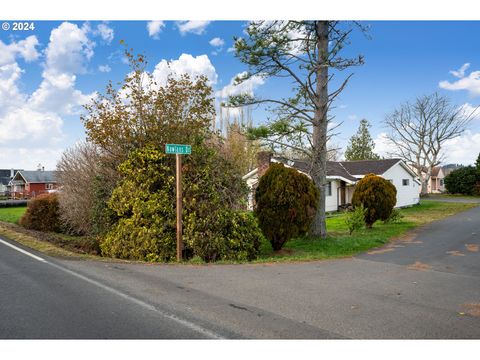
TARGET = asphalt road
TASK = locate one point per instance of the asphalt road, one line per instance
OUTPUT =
(423, 286)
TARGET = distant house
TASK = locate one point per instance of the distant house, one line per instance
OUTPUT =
(28, 184)
(436, 183)
(5, 176)
(342, 177)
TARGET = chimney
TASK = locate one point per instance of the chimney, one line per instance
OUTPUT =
(263, 162)
(12, 173)
(43, 168)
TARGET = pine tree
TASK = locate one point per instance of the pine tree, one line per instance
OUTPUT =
(361, 144)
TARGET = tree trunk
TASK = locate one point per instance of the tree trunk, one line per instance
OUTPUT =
(320, 123)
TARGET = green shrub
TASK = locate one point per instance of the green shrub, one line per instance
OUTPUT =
(223, 236)
(286, 201)
(461, 181)
(355, 219)
(395, 217)
(42, 214)
(377, 195)
(144, 204)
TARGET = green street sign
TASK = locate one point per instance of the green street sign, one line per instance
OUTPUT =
(178, 149)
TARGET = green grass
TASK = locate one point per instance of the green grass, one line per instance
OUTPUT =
(340, 244)
(12, 214)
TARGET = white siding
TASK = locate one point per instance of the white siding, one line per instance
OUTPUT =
(406, 194)
(331, 203)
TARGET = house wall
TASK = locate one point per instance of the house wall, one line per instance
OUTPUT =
(406, 195)
(35, 189)
(331, 203)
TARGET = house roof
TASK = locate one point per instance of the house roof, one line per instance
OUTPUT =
(435, 170)
(364, 167)
(38, 176)
(345, 169)
(5, 175)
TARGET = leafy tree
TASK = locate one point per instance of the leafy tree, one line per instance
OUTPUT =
(286, 202)
(305, 52)
(477, 166)
(461, 180)
(377, 196)
(355, 219)
(361, 144)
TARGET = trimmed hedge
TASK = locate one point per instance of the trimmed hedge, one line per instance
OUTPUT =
(42, 214)
(286, 202)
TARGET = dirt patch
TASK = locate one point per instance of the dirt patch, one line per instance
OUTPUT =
(455, 253)
(380, 251)
(472, 309)
(282, 252)
(419, 266)
(472, 247)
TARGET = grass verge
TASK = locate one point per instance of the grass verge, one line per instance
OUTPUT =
(340, 244)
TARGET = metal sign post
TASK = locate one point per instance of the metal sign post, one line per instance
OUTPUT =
(178, 150)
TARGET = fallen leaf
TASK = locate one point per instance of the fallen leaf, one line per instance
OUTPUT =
(419, 266)
(472, 247)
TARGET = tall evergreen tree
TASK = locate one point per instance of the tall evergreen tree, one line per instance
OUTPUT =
(361, 144)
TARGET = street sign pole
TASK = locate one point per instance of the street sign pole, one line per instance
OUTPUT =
(178, 150)
(179, 206)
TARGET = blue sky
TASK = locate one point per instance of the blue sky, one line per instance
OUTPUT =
(47, 73)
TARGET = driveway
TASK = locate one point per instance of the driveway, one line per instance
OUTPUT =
(421, 286)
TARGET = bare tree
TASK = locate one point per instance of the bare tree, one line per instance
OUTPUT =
(76, 172)
(419, 130)
(306, 52)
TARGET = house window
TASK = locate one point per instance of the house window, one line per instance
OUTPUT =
(328, 189)
(49, 186)
(441, 182)
(405, 182)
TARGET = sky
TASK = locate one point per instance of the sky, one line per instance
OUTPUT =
(50, 70)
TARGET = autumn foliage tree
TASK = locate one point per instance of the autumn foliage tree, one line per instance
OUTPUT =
(377, 196)
(286, 201)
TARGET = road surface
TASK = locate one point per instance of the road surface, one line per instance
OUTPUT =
(422, 286)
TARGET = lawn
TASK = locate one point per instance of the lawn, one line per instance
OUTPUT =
(340, 244)
(11, 214)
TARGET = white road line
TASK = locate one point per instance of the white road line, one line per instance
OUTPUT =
(23, 251)
(141, 303)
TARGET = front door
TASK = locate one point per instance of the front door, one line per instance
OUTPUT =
(343, 199)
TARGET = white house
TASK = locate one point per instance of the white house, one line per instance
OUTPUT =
(342, 177)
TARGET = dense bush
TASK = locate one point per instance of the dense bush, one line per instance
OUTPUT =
(286, 201)
(144, 202)
(377, 195)
(461, 181)
(355, 219)
(223, 236)
(42, 213)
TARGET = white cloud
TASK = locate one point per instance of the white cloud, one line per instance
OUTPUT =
(32, 123)
(463, 149)
(245, 87)
(470, 111)
(471, 83)
(25, 48)
(67, 54)
(217, 42)
(352, 117)
(104, 68)
(185, 64)
(460, 72)
(383, 146)
(154, 28)
(231, 49)
(105, 32)
(195, 27)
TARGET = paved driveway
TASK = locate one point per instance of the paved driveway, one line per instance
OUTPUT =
(423, 286)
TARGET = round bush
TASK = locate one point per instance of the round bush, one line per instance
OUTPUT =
(377, 196)
(42, 214)
(286, 201)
